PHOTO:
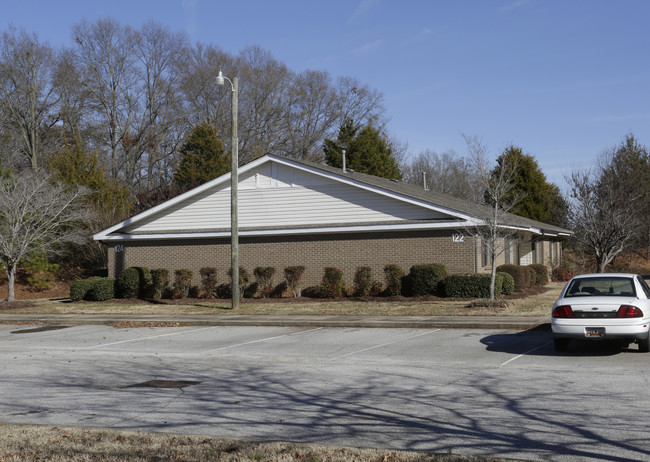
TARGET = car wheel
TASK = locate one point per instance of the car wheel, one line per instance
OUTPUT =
(644, 345)
(561, 344)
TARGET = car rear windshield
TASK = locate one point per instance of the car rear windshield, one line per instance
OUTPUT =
(599, 286)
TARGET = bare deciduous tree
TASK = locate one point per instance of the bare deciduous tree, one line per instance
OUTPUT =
(495, 185)
(36, 214)
(264, 104)
(601, 214)
(360, 103)
(105, 58)
(312, 115)
(159, 111)
(448, 173)
(27, 94)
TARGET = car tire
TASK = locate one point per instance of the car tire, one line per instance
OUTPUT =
(561, 344)
(644, 345)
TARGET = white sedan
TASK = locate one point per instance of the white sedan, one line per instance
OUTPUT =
(603, 306)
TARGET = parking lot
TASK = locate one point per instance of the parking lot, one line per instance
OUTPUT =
(496, 393)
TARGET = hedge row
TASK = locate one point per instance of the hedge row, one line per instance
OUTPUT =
(422, 280)
(92, 289)
(526, 276)
(478, 285)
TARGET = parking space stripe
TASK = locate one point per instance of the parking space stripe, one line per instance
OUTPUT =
(524, 354)
(262, 340)
(385, 344)
(148, 338)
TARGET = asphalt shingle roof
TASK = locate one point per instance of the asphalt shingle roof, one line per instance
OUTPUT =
(434, 197)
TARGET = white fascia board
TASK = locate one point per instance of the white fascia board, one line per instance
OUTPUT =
(374, 189)
(288, 231)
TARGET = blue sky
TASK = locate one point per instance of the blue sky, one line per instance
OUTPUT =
(563, 79)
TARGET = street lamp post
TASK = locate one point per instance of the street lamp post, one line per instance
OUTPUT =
(234, 180)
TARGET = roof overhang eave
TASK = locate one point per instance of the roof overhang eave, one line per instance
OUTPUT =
(284, 231)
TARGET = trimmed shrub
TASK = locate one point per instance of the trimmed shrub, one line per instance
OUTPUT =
(293, 275)
(144, 287)
(93, 289)
(182, 283)
(531, 276)
(279, 290)
(209, 281)
(520, 275)
(101, 289)
(376, 288)
(79, 289)
(264, 279)
(472, 285)
(332, 283)
(508, 283)
(426, 279)
(194, 292)
(394, 276)
(561, 274)
(159, 282)
(127, 284)
(541, 274)
(362, 280)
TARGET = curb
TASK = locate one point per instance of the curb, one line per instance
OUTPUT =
(379, 322)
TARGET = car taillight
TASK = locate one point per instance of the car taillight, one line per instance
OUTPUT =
(628, 311)
(563, 311)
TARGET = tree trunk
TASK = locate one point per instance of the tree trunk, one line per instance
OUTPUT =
(11, 282)
(602, 263)
(493, 277)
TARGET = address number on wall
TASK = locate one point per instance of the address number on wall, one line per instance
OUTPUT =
(119, 248)
(458, 237)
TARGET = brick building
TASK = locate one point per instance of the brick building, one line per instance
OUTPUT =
(298, 213)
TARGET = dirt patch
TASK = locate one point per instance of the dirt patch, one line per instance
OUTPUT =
(141, 324)
(17, 304)
(22, 323)
(22, 291)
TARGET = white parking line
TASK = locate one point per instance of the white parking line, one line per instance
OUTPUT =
(524, 354)
(148, 338)
(385, 344)
(262, 340)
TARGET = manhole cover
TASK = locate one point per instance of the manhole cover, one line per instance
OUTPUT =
(39, 329)
(165, 384)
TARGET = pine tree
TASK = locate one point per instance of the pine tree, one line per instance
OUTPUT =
(202, 158)
(537, 199)
(366, 151)
(333, 149)
(109, 201)
(74, 166)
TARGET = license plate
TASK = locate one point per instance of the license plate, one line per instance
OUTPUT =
(594, 331)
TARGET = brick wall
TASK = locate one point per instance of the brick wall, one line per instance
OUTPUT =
(345, 251)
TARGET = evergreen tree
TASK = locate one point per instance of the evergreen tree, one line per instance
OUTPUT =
(333, 149)
(536, 198)
(202, 158)
(109, 201)
(366, 151)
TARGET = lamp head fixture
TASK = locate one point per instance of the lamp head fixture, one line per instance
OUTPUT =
(220, 78)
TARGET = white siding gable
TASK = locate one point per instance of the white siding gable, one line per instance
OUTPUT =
(278, 195)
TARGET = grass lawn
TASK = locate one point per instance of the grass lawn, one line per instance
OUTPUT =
(59, 444)
(526, 304)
